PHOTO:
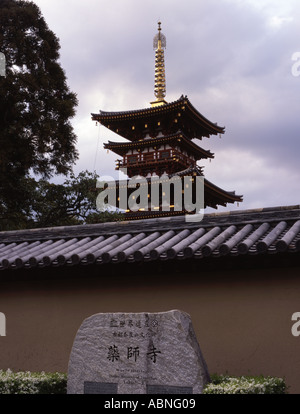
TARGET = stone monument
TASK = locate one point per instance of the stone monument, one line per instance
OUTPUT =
(137, 353)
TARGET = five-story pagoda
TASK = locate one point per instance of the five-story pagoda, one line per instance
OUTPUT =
(160, 142)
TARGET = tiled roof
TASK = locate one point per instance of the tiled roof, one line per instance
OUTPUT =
(249, 232)
(198, 125)
(213, 195)
(183, 100)
(121, 148)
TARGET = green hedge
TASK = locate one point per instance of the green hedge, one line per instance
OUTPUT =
(56, 383)
(32, 383)
(226, 384)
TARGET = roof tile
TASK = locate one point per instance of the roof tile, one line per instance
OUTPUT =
(250, 232)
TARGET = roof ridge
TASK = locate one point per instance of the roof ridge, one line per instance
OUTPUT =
(128, 111)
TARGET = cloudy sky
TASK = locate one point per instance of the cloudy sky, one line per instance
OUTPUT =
(238, 61)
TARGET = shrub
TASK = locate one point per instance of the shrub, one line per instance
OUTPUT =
(32, 383)
(56, 383)
(225, 384)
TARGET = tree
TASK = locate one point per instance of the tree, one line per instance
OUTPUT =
(36, 104)
(46, 204)
(70, 203)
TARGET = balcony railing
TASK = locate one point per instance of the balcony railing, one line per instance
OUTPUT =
(154, 158)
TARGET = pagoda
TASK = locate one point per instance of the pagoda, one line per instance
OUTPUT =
(159, 142)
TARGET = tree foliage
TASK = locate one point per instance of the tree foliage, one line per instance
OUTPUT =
(48, 204)
(35, 102)
(36, 105)
(70, 203)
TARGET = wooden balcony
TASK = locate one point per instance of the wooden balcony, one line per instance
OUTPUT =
(155, 159)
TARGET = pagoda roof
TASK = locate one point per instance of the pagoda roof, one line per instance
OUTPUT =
(179, 138)
(214, 196)
(167, 118)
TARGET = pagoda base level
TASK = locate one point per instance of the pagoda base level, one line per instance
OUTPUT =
(175, 195)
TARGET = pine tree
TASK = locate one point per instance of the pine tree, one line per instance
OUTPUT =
(36, 104)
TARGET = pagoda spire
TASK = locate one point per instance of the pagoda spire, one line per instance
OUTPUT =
(159, 44)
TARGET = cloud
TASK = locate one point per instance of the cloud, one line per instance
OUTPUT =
(232, 58)
(254, 177)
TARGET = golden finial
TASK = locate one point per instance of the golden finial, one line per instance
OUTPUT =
(159, 44)
(159, 40)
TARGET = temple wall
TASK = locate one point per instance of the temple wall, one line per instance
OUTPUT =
(242, 318)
